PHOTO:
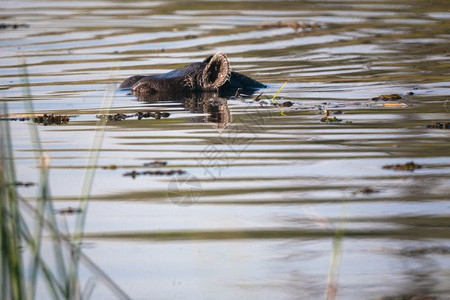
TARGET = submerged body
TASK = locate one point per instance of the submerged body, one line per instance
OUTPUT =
(211, 75)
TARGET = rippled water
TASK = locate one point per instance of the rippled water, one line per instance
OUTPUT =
(272, 206)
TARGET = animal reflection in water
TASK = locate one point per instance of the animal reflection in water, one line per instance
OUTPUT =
(209, 103)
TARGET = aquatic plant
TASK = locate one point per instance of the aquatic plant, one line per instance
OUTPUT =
(409, 166)
(26, 227)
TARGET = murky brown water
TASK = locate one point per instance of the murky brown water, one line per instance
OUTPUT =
(270, 206)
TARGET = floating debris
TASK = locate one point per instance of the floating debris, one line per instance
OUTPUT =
(409, 166)
(257, 98)
(238, 93)
(394, 104)
(69, 211)
(114, 117)
(21, 119)
(51, 119)
(110, 167)
(149, 114)
(438, 125)
(23, 184)
(46, 119)
(327, 118)
(190, 36)
(391, 97)
(155, 163)
(140, 115)
(424, 251)
(13, 26)
(133, 174)
(366, 191)
(330, 120)
(292, 24)
(287, 104)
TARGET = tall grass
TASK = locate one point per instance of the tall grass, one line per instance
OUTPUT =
(44, 204)
(11, 263)
(25, 269)
(86, 191)
(336, 256)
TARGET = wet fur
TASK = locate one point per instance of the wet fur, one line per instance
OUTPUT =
(212, 74)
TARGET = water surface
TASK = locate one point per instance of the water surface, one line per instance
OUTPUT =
(272, 206)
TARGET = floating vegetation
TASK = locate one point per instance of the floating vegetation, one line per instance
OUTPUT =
(69, 211)
(257, 98)
(155, 115)
(292, 24)
(156, 163)
(438, 125)
(409, 166)
(139, 115)
(366, 191)
(4, 26)
(133, 174)
(46, 119)
(241, 94)
(238, 93)
(391, 97)
(22, 119)
(287, 104)
(51, 119)
(328, 119)
(190, 36)
(110, 167)
(114, 117)
(23, 184)
(394, 104)
(424, 251)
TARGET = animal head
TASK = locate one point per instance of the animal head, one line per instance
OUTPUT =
(208, 75)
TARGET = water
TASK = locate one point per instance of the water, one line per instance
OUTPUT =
(271, 206)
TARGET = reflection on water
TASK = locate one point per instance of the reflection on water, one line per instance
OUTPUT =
(282, 203)
(210, 104)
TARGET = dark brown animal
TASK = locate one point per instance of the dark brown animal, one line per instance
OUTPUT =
(211, 75)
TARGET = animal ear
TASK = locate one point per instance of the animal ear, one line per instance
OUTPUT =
(208, 59)
(216, 72)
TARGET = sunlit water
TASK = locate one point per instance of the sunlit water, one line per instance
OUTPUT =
(272, 206)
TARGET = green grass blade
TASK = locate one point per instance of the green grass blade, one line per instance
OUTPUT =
(55, 288)
(12, 269)
(86, 189)
(44, 201)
